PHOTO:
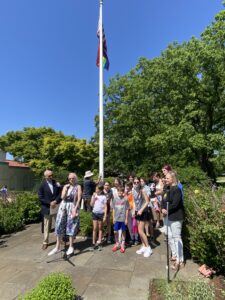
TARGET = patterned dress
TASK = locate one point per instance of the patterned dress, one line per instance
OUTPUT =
(66, 224)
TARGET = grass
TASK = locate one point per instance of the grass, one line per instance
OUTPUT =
(181, 290)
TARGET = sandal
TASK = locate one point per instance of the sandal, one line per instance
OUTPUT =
(173, 258)
(177, 266)
(181, 265)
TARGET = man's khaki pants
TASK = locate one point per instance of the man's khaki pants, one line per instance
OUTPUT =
(47, 226)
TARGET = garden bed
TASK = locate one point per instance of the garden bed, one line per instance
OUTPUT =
(184, 290)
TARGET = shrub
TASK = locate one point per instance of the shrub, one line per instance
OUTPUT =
(181, 290)
(85, 223)
(205, 222)
(11, 219)
(200, 290)
(25, 209)
(192, 174)
(28, 204)
(55, 286)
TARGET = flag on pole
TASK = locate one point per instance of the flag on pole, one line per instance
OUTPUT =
(105, 59)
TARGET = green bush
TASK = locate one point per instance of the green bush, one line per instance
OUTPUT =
(181, 290)
(24, 210)
(192, 174)
(11, 219)
(200, 290)
(205, 223)
(29, 205)
(85, 223)
(56, 286)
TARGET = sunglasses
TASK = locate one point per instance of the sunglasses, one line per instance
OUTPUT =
(136, 182)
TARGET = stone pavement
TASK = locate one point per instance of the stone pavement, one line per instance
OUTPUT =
(97, 275)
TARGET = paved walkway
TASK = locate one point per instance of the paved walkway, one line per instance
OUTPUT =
(97, 275)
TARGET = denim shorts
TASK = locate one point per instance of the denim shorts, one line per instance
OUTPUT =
(119, 225)
(97, 217)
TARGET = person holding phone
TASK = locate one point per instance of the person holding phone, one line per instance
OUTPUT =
(67, 220)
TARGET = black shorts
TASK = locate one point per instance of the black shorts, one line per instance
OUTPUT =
(151, 216)
(97, 217)
(143, 217)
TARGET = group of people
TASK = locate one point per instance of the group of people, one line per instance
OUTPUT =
(135, 208)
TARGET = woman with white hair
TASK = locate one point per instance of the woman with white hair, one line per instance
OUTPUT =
(67, 220)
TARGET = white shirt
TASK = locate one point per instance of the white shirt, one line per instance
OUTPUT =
(50, 185)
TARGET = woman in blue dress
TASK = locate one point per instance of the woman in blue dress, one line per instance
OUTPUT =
(67, 220)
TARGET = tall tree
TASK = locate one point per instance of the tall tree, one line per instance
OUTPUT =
(170, 109)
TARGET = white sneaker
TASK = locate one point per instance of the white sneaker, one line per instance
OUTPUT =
(148, 251)
(70, 251)
(141, 250)
(162, 229)
(54, 251)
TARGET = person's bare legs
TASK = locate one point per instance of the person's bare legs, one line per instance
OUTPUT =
(100, 223)
(108, 226)
(142, 234)
(94, 233)
(71, 241)
(146, 226)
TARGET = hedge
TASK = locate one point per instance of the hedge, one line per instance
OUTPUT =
(205, 223)
(55, 286)
(24, 210)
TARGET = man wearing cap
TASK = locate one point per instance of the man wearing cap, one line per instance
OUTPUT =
(88, 190)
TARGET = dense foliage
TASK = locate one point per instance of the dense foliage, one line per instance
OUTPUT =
(55, 286)
(11, 220)
(28, 205)
(45, 148)
(24, 210)
(170, 109)
(85, 223)
(205, 223)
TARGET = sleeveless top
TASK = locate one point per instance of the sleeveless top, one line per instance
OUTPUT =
(72, 191)
(138, 199)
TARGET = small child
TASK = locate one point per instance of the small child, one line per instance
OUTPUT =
(99, 204)
(120, 219)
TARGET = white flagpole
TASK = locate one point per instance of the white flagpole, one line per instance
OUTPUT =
(101, 124)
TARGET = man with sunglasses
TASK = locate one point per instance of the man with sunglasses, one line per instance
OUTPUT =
(49, 196)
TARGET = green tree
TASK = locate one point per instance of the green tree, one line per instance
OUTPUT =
(170, 109)
(45, 148)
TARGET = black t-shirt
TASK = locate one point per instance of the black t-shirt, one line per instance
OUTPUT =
(89, 188)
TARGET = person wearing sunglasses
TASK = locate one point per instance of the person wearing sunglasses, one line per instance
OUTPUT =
(141, 201)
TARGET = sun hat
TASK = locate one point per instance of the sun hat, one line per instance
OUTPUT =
(88, 174)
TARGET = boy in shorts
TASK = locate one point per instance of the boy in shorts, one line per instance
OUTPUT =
(120, 219)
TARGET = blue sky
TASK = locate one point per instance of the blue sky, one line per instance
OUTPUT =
(48, 75)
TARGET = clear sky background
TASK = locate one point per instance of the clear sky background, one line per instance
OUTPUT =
(48, 48)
